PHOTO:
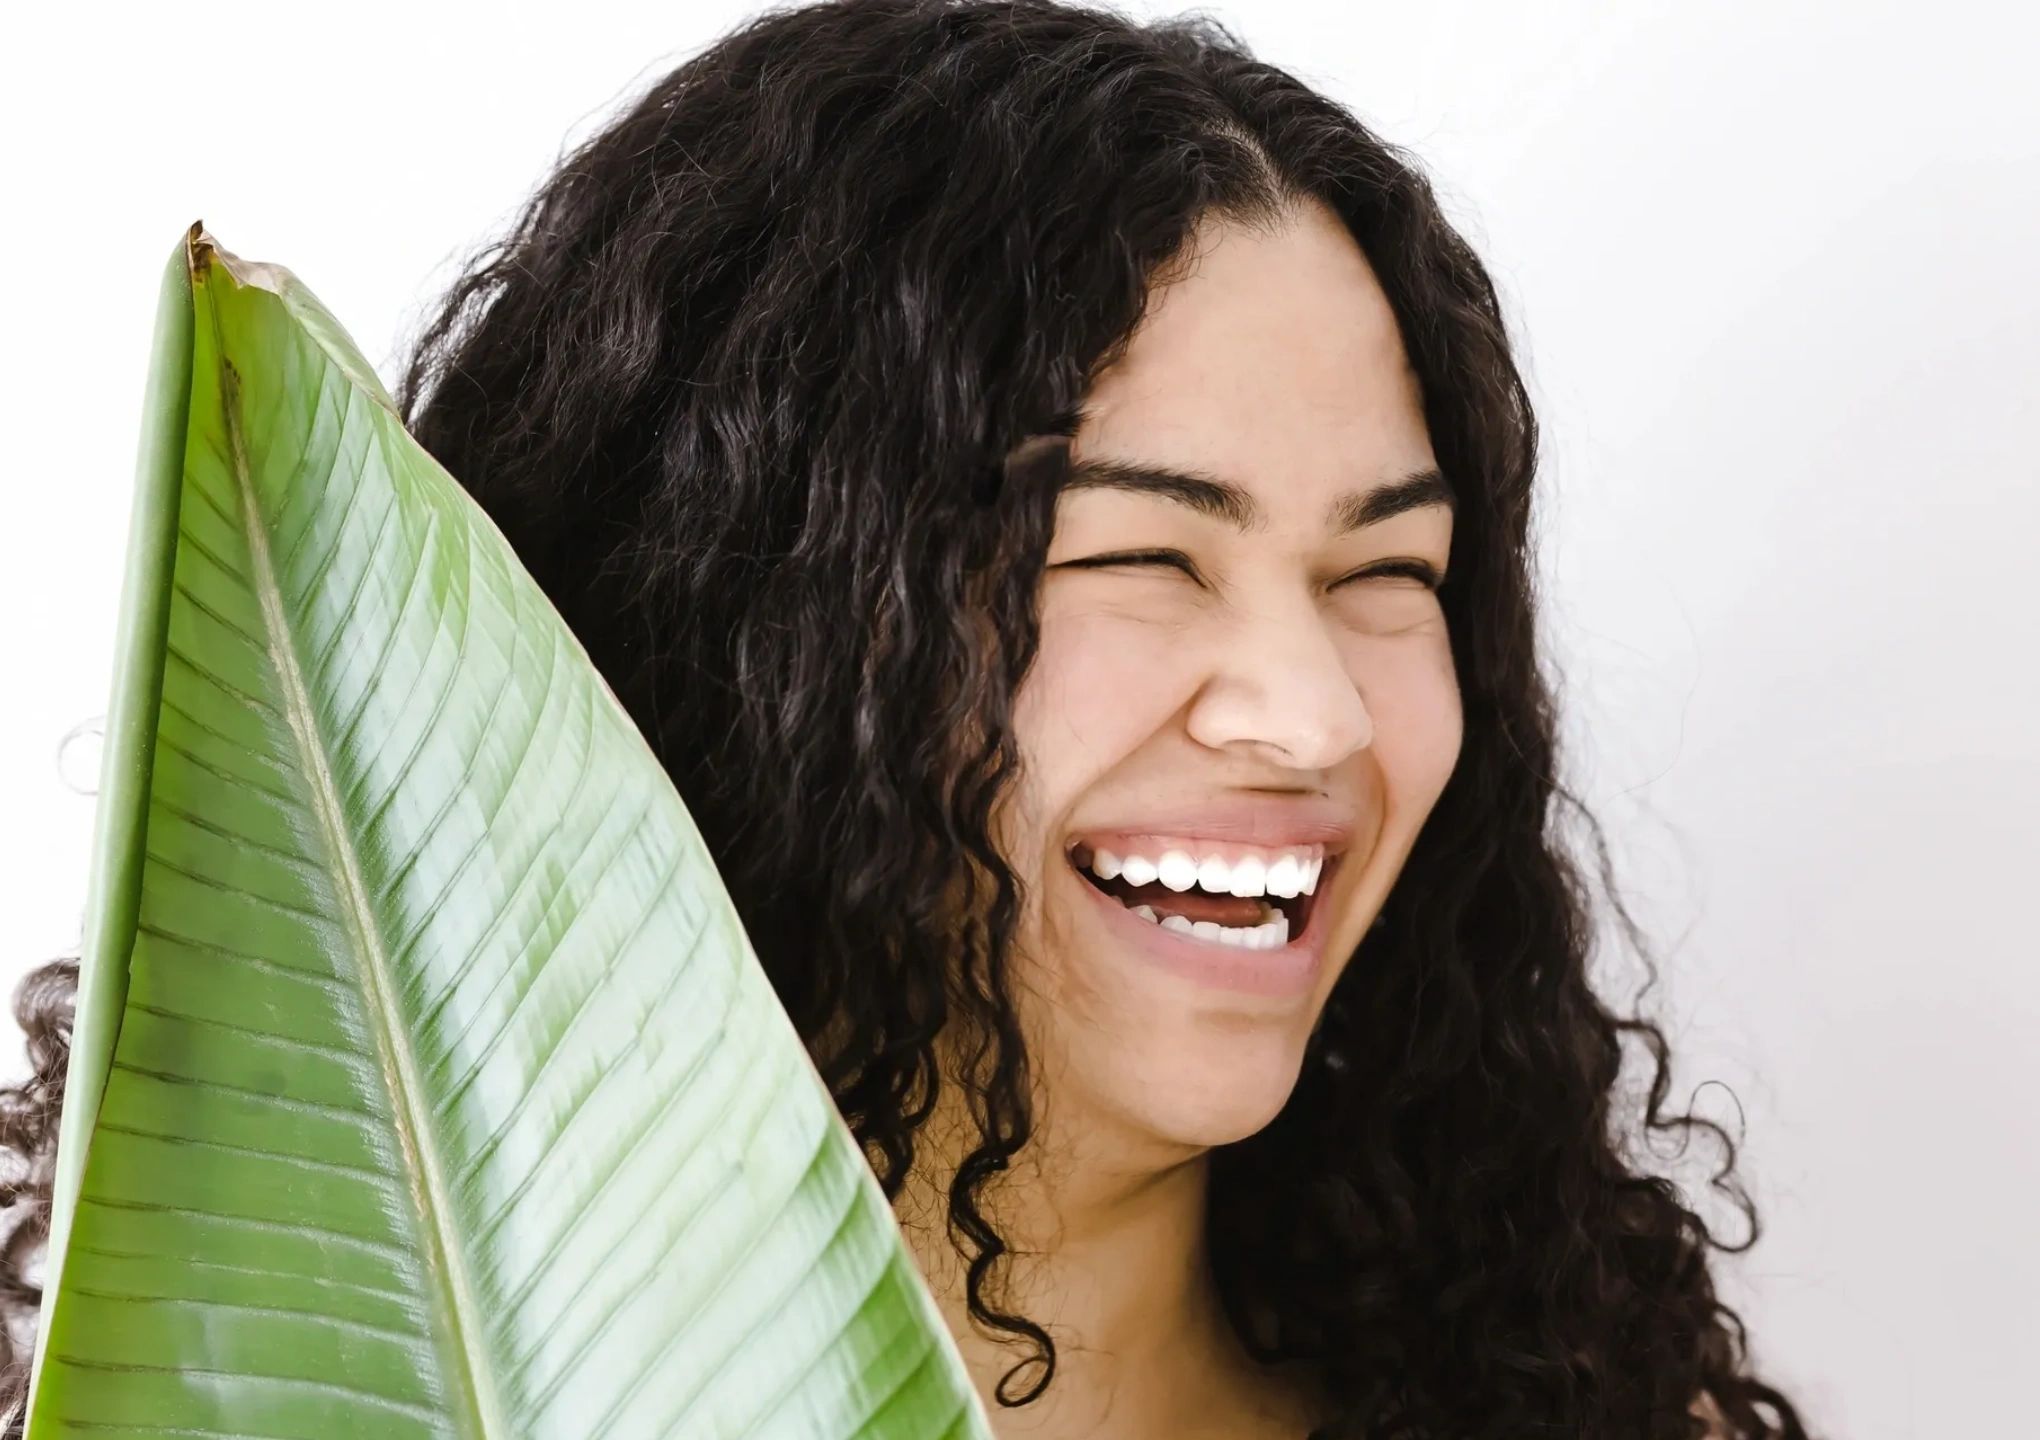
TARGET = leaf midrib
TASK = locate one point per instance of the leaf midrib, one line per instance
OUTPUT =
(430, 1192)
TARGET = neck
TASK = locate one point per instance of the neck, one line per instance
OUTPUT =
(1105, 1230)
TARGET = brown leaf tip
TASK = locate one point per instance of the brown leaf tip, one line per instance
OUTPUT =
(202, 250)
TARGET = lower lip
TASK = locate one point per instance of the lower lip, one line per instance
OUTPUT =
(1286, 973)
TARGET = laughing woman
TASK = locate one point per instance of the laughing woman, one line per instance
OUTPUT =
(1055, 494)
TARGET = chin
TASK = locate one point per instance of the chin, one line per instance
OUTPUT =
(1195, 1080)
(1172, 1047)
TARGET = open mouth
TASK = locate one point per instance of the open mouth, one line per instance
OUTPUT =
(1254, 901)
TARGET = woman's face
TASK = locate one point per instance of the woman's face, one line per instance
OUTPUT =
(1241, 711)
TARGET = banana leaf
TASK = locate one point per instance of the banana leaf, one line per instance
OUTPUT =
(424, 1082)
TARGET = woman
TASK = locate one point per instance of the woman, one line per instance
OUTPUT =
(1055, 494)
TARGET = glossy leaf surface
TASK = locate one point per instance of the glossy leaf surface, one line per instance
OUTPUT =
(425, 1082)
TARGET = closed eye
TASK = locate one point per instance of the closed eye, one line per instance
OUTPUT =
(1173, 558)
(1418, 570)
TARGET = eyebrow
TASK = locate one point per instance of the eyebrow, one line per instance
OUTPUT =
(1225, 500)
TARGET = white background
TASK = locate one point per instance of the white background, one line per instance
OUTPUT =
(1773, 267)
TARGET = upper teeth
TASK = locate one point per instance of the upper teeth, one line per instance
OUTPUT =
(1288, 874)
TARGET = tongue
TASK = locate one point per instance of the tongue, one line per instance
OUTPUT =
(1192, 904)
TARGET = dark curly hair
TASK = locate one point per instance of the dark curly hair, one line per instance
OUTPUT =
(740, 385)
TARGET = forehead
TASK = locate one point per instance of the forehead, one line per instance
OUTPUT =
(1274, 359)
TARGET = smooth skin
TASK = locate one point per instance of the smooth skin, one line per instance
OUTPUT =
(1281, 662)
(1275, 662)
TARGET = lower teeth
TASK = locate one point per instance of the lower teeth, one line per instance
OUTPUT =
(1271, 935)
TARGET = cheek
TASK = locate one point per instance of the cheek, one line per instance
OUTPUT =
(1095, 694)
(1412, 694)
(1097, 691)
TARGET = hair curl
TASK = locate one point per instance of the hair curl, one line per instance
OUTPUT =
(738, 386)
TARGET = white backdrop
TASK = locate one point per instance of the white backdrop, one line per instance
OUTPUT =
(1773, 269)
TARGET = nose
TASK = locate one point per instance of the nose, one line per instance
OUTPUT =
(1279, 687)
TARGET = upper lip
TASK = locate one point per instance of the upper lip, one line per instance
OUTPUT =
(1265, 820)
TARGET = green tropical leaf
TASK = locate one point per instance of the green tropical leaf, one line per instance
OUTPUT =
(424, 1083)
